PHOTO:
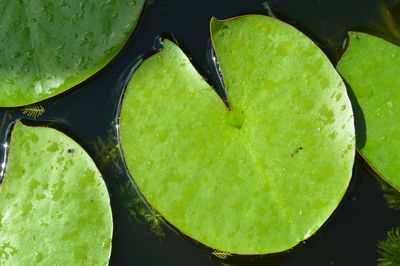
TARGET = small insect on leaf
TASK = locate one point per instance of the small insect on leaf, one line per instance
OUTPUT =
(296, 151)
(33, 111)
(221, 254)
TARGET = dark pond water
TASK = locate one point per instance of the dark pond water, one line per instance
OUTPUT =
(89, 113)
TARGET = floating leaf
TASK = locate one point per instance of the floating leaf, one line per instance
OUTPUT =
(371, 66)
(54, 205)
(49, 46)
(33, 111)
(256, 178)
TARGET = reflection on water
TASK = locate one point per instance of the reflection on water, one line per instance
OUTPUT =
(6, 121)
(391, 17)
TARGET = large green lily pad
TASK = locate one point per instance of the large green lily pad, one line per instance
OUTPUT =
(46, 47)
(54, 205)
(371, 66)
(258, 178)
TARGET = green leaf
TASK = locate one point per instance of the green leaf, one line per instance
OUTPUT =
(54, 205)
(258, 178)
(46, 47)
(371, 66)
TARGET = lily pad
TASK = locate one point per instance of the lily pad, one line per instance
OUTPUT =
(54, 205)
(47, 47)
(371, 66)
(255, 178)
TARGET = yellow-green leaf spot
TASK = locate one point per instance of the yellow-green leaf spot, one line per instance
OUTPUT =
(371, 66)
(54, 205)
(256, 178)
(47, 47)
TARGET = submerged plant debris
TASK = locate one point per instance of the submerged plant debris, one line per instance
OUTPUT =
(391, 195)
(155, 221)
(33, 111)
(137, 211)
(221, 254)
(108, 149)
(389, 249)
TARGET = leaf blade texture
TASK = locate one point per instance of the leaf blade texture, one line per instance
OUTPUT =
(54, 205)
(371, 66)
(47, 47)
(256, 178)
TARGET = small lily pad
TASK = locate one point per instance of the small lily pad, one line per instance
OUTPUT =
(47, 47)
(54, 205)
(371, 66)
(257, 177)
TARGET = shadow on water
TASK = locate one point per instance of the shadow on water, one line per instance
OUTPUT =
(254, 260)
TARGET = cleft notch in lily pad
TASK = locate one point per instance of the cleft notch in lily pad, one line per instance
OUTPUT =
(258, 177)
